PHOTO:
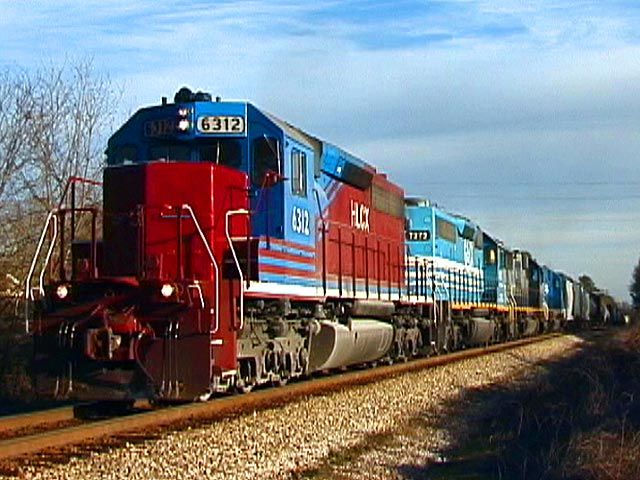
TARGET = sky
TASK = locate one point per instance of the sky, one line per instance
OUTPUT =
(523, 116)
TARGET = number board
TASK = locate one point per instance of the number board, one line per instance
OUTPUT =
(221, 124)
(418, 235)
(160, 127)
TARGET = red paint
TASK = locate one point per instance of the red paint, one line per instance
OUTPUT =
(162, 189)
(375, 257)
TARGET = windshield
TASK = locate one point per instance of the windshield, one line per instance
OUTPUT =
(221, 152)
(226, 152)
(169, 153)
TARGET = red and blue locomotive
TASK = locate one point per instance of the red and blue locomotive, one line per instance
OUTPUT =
(236, 250)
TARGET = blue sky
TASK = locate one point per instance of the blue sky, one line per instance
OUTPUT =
(524, 116)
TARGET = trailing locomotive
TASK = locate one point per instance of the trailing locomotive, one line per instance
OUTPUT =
(238, 250)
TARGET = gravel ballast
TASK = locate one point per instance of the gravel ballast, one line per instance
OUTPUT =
(363, 432)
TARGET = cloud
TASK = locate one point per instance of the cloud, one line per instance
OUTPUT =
(522, 115)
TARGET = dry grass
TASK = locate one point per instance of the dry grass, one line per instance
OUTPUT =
(604, 455)
(580, 419)
(611, 450)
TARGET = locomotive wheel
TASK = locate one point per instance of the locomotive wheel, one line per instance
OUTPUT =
(445, 342)
(281, 382)
(244, 387)
(246, 382)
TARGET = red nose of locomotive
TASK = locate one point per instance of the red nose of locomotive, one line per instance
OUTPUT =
(162, 287)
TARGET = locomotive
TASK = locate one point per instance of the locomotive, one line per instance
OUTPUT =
(238, 250)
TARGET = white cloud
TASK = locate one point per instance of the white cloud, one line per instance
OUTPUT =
(538, 91)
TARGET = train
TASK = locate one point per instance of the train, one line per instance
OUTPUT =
(237, 250)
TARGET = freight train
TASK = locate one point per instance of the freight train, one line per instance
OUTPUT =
(238, 250)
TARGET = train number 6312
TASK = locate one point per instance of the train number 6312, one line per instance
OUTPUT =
(221, 124)
(300, 220)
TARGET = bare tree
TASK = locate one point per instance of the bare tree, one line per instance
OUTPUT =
(53, 125)
(15, 98)
(634, 287)
(587, 282)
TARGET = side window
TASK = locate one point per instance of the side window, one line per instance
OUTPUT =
(266, 158)
(446, 230)
(479, 239)
(508, 261)
(489, 256)
(298, 173)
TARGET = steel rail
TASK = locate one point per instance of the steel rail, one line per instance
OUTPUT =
(237, 404)
(35, 419)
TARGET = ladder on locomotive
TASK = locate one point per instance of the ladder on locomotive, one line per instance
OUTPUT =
(55, 226)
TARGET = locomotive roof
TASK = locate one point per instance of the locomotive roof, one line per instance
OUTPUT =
(316, 143)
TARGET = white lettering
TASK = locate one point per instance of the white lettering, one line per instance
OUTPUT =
(359, 216)
(468, 252)
(300, 220)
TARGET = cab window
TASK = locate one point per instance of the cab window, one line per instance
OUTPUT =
(446, 230)
(298, 173)
(479, 239)
(266, 158)
(489, 256)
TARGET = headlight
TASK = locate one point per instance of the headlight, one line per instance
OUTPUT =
(184, 125)
(167, 290)
(62, 291)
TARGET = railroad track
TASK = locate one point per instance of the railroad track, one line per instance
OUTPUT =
(13, 425)
(85, 437)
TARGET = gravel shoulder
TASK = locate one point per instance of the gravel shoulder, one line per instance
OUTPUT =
(374, 431)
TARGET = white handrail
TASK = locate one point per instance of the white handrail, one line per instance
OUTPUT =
(187, 207)
(48, 257)
(230, 213)
(28, 292)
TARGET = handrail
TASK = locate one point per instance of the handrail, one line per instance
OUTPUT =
(513, 304)
(53, 215)
(72, 181)
(188, 208)
(229, 214)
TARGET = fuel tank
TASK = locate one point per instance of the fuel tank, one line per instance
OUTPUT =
(359, 341)
(480, 331)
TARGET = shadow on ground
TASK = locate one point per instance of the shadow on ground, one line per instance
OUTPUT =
(578, 419)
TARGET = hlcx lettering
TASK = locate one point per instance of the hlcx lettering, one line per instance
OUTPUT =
(359, 216)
